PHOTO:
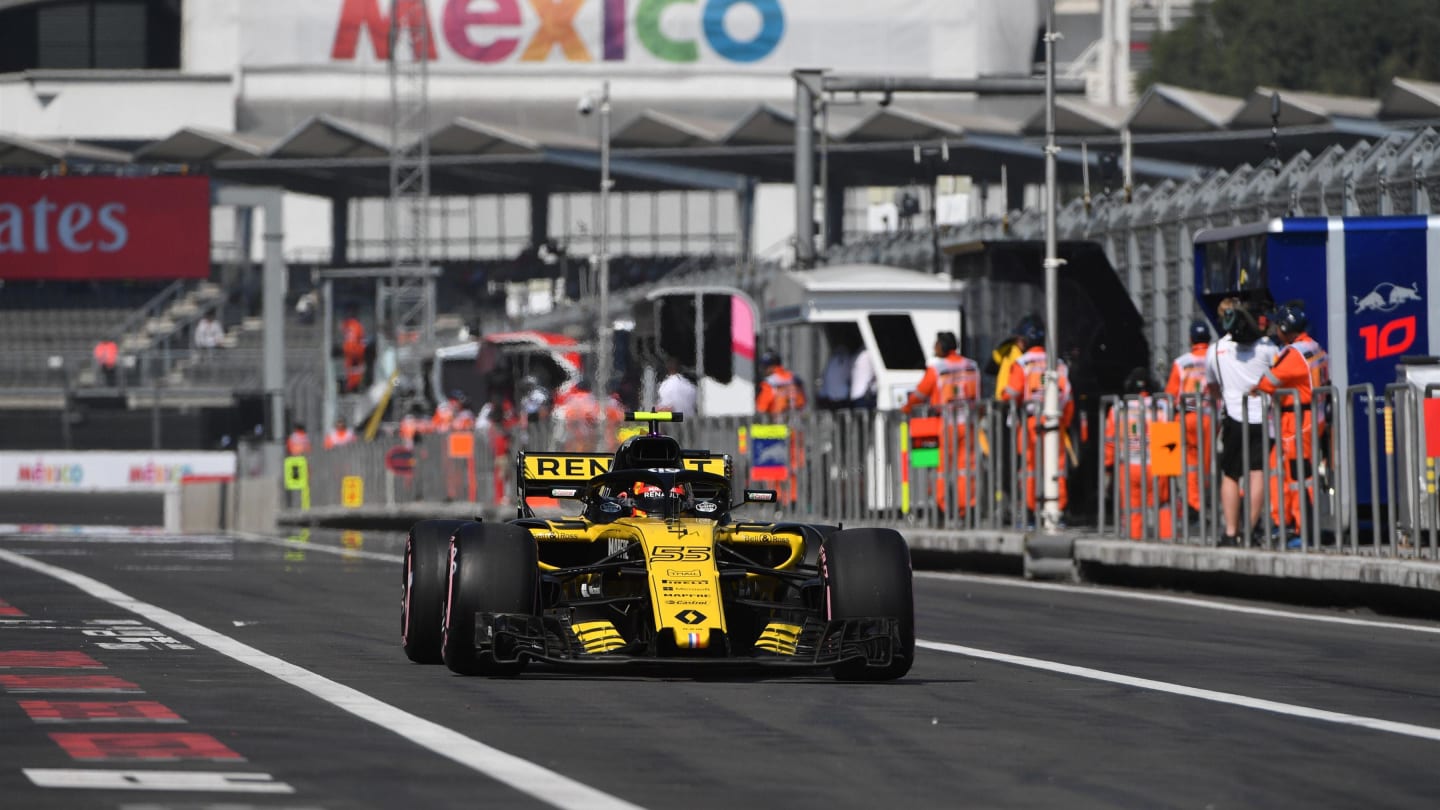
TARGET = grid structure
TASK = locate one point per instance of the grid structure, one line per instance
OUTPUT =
(408, 299)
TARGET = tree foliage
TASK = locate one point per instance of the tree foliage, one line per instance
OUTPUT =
(1342, 47)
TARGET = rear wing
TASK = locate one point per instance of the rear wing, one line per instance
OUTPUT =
(537, 475)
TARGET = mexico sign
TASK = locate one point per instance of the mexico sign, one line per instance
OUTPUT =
(498, 32)
(103, 228)
(643, 38)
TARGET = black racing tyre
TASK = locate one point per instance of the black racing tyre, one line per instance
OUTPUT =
(867, 574)
(423, 581)
(812, 548)
(494, 568)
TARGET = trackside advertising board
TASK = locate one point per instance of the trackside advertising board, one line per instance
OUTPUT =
(104, 228)
(108, 472)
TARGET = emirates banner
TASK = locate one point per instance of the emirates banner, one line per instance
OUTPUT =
(613, 37)
(104, 228)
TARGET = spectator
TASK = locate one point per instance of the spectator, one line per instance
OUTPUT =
(677, 392)
(340, 435)
(107, 353)
(1234, 365)
(208, 334)
(298, 442)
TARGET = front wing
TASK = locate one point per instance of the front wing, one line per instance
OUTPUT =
(518, 637)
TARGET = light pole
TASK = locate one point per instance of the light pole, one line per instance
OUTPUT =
(1050, 409)
(601, 380)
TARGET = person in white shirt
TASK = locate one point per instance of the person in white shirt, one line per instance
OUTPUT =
(1233, 366)
(862, 380)
(676, 393)
(208, 334)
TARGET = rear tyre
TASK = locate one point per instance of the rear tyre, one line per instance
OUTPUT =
(867, 574)
(494, 568)
(423, 583)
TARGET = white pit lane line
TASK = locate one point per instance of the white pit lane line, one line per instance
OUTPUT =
(1207, 604)
(1372, 723)
(525, 776)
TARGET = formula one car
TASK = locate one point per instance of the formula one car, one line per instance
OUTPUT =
(654, 573)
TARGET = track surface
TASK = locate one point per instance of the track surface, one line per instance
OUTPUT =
(1023, 696)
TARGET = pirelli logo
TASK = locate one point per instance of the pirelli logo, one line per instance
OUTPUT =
(584, 466)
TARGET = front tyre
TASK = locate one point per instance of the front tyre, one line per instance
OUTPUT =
(423, 583)
(867, 575)
(494, 568)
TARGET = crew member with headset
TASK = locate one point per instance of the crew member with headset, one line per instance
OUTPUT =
(951, 380)
(1302, 366)
(1234, 365)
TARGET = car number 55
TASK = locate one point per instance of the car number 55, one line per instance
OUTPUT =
(680, 554)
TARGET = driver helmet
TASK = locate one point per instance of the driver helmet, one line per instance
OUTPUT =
(649, 498)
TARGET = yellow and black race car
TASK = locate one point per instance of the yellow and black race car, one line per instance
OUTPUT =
(654, 573)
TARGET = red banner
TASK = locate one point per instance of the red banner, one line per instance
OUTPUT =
(104, 228)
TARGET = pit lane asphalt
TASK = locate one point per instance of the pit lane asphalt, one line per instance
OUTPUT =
(963, 729)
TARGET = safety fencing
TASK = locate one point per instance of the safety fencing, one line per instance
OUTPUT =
(1367, 484)
(968, 467)
(1357, 476)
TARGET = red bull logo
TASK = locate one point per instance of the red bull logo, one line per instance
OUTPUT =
(1386, 297)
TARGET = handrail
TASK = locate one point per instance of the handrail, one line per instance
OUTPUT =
(149, 309)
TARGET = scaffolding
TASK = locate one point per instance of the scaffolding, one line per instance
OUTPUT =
(406, 296)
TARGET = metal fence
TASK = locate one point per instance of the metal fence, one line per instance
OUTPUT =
(972, 468)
